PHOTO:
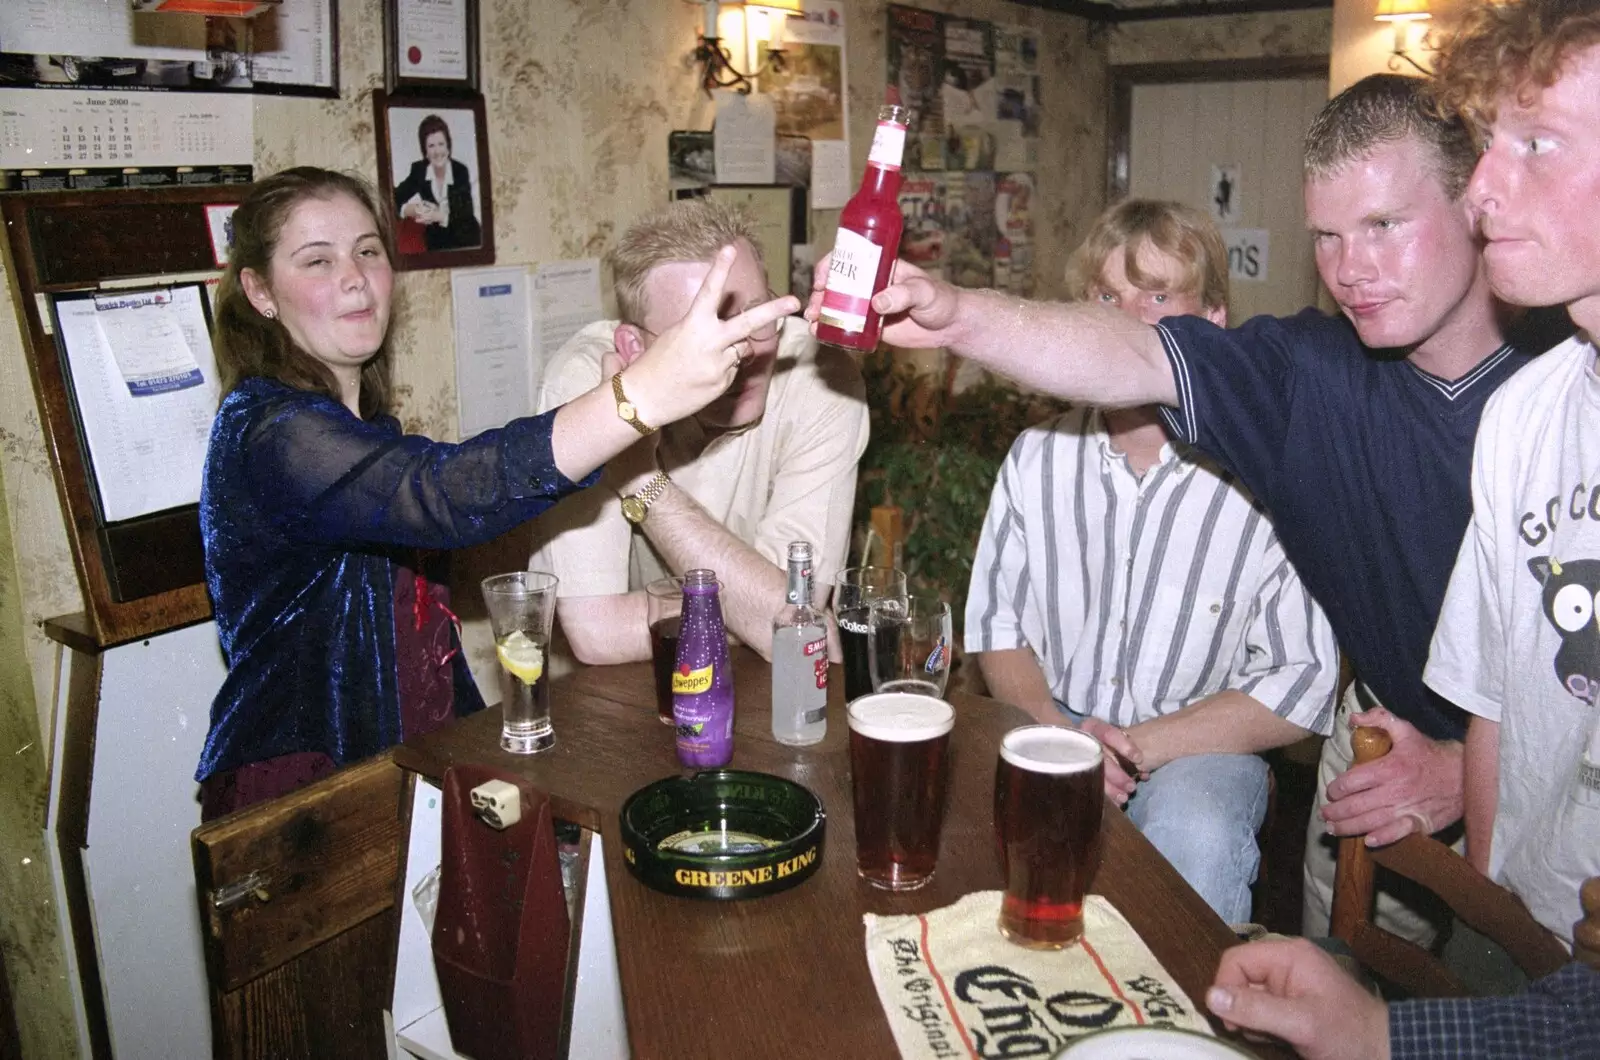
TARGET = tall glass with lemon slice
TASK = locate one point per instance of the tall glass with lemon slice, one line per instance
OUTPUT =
(522, 607)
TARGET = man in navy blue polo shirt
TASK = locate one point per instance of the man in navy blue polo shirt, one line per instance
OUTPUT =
(1355, 431)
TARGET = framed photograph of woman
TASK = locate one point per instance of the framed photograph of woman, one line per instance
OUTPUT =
(433, 164)
(430, 45)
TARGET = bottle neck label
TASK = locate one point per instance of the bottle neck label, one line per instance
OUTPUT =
(799, 588)
(852, 271)
(888, 146)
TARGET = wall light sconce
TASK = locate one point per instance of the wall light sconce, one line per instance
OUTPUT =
(1403, 13)
(716, 62)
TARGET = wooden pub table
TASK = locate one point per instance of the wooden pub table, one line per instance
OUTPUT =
(787, 975)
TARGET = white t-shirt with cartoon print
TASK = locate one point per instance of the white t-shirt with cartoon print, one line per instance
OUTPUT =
(1518, 639)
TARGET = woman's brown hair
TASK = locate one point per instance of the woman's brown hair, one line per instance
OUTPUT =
(248, 345)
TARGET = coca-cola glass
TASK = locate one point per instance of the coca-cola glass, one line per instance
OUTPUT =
(854, 593)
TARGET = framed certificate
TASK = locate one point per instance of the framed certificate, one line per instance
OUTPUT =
(430, 45)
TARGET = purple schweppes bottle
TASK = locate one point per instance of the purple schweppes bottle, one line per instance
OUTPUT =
(702, 683)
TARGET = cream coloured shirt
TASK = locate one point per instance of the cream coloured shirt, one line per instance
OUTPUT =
(790, 477)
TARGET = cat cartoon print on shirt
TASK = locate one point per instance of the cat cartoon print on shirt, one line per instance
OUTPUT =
(1572, 603)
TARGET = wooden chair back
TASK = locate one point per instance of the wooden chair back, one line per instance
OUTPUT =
(1586, 933)
(1482, 904)
(296, 901)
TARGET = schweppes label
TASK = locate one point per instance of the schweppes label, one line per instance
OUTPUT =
(687, 682)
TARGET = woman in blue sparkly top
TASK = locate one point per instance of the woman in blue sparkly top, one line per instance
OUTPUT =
(317, 511)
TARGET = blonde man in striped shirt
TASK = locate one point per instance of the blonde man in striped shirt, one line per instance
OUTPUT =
(1125, 584)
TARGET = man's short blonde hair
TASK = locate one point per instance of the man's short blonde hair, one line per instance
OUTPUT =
(1181, 232)
(1500, 49)
(1384, 109)
(684, 231)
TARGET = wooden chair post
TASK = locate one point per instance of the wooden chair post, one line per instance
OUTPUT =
(1353, 875)
(1586, 933)
(888, 525)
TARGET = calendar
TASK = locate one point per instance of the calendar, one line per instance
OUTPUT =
(61, 128)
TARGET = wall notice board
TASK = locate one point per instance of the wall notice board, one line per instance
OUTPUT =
(126, 387)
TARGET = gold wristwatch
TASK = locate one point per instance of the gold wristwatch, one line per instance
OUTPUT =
(625, 408)
(636, 506)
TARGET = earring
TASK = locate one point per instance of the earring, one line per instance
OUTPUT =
(270, 314)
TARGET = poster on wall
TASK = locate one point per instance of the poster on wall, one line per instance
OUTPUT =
(970, 227)
(916, 59)
(1016, 126)
(972, 88)
(1013, 215)
(293, 48)
(967, 94)
(811, 94)
(922, 205)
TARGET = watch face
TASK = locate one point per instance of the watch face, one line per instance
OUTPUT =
(633, 509)
(626, 411)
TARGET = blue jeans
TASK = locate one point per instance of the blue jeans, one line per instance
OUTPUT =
(1202, 812)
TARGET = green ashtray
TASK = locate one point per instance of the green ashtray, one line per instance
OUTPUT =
(723, 834)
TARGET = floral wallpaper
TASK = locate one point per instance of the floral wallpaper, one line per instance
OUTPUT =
(581, 95)
(1272, 34)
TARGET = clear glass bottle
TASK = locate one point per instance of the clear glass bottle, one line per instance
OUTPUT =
(867, 243)
(799, 659)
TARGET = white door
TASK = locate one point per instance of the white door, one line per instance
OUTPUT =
(1233, 148)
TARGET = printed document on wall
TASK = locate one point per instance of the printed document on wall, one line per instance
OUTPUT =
(566, 296)
(145, 385)
(494, 346)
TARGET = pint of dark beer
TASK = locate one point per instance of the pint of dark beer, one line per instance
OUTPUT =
(1048, 797)
(899, 769)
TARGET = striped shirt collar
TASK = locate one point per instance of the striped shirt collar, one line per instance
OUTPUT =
(1096, 425)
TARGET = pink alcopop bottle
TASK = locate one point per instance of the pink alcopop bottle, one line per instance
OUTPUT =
(867, 243)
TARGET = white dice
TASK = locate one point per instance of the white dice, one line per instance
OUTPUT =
(498, 803)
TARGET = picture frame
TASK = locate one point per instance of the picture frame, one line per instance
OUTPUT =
(431, 233)
(291, 50)
(430, 46)
(772, 208)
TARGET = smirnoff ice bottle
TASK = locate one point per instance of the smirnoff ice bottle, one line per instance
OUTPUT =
(799, 659)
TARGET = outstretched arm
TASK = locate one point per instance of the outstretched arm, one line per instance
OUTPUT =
(1084, 353)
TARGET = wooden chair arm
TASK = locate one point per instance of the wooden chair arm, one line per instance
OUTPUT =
(1476, 900)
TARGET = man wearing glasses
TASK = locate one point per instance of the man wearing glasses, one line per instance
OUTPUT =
(771, 461)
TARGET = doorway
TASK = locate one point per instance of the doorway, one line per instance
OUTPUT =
(1227, 138)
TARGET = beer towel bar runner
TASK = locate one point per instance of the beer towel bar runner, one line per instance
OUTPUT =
(952, 986)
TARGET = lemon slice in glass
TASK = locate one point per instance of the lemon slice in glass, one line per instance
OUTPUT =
(521, 657)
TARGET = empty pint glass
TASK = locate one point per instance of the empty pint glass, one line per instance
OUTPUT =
(899, 769)
(522, 607)
(1048, 797)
